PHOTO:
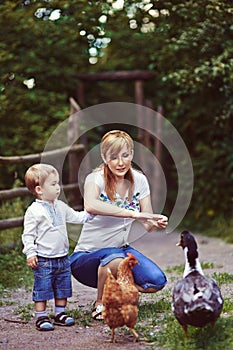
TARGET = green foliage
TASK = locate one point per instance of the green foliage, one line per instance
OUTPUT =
(81, 316)
(73, 235)
(14, 271)
(158, 326)
(179, 269)
(221, 227)
(187, 44)
(171, 337)
(25, 312)
(228, 304)
(6, 302)
(34, 48)
(11, 238)
(223, 278)
(193, 74)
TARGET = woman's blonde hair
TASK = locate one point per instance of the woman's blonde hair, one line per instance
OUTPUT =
(37, 174)
(112, 142)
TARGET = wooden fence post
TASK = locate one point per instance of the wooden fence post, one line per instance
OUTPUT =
(74, 160)
(139, 99)
(158, 153)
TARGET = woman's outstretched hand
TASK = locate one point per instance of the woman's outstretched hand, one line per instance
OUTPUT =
(160, 222)
(152, 221)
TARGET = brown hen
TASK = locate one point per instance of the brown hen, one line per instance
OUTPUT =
(120, 298)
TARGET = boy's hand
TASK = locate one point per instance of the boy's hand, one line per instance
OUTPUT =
(32, 262)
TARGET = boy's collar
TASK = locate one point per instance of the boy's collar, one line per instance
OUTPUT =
(45, 202)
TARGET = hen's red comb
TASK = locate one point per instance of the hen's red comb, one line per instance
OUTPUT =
(130, 255)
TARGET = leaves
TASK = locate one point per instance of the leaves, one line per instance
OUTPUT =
(188, 45)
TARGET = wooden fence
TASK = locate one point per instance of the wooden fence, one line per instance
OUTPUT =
(77, 152)
(75, 155)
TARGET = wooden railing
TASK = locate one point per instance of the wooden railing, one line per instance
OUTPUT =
(77, 152)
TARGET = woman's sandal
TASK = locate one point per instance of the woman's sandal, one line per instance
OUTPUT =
(96, 313)
(43, 323)
(63, 320)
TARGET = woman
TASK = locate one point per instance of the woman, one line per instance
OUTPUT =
(117, 194)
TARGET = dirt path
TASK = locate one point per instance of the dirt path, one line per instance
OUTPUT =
(160, 247)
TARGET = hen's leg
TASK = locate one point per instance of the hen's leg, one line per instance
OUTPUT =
(112, 340)
(135, 334)
(113, 334)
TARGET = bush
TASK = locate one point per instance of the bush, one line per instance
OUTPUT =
(14, 271)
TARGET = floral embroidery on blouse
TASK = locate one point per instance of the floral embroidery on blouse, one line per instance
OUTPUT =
(123, 203)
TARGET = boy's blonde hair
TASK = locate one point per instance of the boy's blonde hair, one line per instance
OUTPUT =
(37, 174)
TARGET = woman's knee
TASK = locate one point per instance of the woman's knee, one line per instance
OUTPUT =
(112, 265)
(150, 281)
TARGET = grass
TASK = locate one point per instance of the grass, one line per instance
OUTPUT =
(223, 278)
(171, 337)
(82, 316)
(158, 325)
(179, 269)
(156, 322)
(25, 311)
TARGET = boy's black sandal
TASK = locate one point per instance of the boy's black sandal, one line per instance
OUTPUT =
(63, 320)
(43, 323)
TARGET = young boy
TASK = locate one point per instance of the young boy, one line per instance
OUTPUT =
(46, 244)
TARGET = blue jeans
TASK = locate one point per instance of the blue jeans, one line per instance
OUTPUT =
(84, 267)
(52, 279)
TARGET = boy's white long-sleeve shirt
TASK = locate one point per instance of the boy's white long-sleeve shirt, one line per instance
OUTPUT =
(45, 232)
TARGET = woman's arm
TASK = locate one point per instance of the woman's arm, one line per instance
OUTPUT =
(94, 205)
(159, 221)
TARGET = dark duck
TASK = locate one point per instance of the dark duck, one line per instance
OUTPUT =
(196, 299)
